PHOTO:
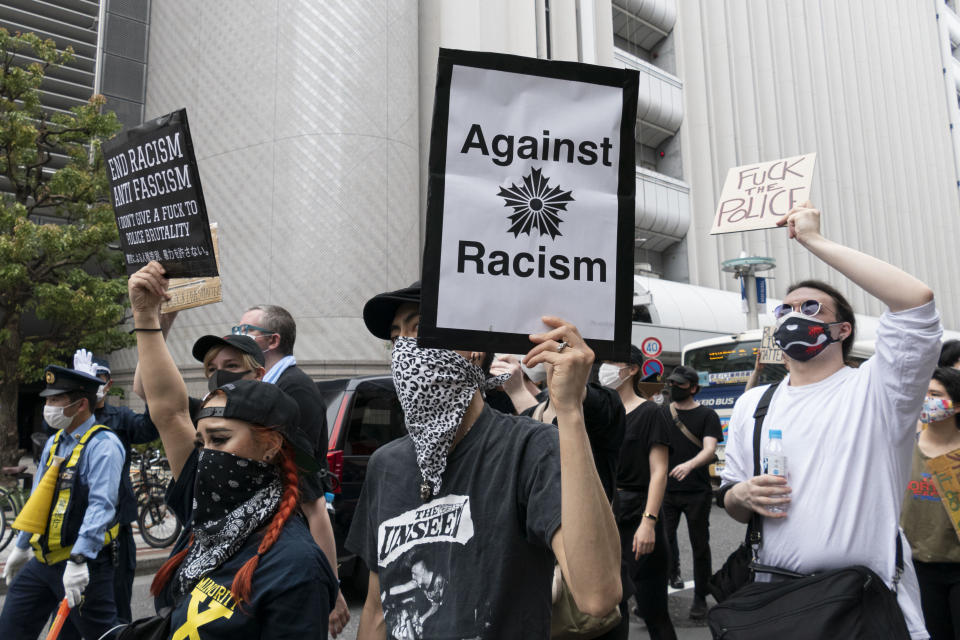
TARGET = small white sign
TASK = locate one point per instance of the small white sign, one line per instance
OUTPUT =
(757, 196)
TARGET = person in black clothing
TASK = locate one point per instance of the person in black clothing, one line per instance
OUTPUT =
(246, 565)
(641, 481)
(132, 428)
(694, 434)
(604, 420)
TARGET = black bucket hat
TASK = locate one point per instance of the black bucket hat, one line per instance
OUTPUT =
(380, 310)
(264, 404)
(246, 344)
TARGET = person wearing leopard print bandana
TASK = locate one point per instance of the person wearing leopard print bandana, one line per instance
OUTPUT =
(474, 499)
(246, 558)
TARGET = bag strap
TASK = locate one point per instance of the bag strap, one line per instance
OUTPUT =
(755, 527)
(899, 570)
(539, 411)
(683, 428)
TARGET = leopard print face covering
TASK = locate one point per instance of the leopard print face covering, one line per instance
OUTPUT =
(435, 387)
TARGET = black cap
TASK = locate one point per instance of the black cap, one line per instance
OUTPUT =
(266, 405)
(246, 344)
(683, 375)
(380, 310)
(636, 356)
(62, 380)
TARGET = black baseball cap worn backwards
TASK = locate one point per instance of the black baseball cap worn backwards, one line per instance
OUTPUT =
(380, 310)
(265, 405)
(62, 380)
(245, 344)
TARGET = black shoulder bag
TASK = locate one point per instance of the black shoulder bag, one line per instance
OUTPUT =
(851, 602)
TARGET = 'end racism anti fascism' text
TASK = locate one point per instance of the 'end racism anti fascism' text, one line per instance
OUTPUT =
(165, 222)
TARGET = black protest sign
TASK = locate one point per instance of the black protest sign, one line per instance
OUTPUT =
(530, 208)
(157, 198)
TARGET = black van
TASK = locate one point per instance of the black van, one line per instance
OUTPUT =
(363, 414)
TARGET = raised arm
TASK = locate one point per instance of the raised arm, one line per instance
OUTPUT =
(587, 544)
(166, 323)
(895, 288)
(163, 386)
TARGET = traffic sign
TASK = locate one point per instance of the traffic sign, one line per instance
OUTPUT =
(651, 347)
(651, 367)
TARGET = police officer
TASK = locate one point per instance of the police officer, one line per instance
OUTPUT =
(132, 428)
(72, 557)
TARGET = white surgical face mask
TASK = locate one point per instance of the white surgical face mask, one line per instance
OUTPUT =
(55, 417)
(609, 375)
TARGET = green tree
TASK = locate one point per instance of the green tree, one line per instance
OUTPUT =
(61, 286)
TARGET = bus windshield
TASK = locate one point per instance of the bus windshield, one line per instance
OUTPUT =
(731, 363)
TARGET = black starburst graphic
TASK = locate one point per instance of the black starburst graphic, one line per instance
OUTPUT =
(535, 205)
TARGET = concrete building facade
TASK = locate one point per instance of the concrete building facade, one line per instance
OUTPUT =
(311, 124)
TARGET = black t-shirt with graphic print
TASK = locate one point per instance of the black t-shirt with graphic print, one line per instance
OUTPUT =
(474, 561)
(702, 422)
(292, 592)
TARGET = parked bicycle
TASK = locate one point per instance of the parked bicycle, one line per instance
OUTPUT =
(150, 474)
(12, 499)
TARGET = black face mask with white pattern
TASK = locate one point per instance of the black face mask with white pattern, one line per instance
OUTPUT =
(232, 498)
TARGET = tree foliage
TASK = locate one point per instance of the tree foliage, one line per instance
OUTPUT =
(61, 286)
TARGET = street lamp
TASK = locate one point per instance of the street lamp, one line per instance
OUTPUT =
(746, 268)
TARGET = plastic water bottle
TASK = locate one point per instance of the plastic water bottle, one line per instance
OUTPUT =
(330, 508)
(774, 461)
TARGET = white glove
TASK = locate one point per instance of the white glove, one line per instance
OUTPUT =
(75, 579)
(83, 361)
(15, 561)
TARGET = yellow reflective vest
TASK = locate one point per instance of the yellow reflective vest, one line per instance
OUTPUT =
(68, 506)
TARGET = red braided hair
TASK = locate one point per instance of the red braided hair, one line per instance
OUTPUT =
(241, 587)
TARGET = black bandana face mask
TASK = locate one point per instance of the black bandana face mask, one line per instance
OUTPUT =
(232, 498)
(221, 377)
(802, 337)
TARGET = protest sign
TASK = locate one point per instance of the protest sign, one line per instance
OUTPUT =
(770, 353)
(530, 207)
(187, 293)
(157, 198)
(757, 196)
(945, 470)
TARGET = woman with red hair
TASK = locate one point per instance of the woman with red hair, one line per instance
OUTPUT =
(246, 565)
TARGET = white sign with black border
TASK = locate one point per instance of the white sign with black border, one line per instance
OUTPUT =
(530, 209)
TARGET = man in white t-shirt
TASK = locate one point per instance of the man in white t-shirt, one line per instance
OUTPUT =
(847, 433)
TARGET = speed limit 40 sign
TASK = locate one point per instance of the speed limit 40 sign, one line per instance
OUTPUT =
(651, 347)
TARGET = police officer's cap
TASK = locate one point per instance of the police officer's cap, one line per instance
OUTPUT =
(62, 380)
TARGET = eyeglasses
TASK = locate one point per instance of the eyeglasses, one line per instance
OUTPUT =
(807, 307)
(245, 329)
